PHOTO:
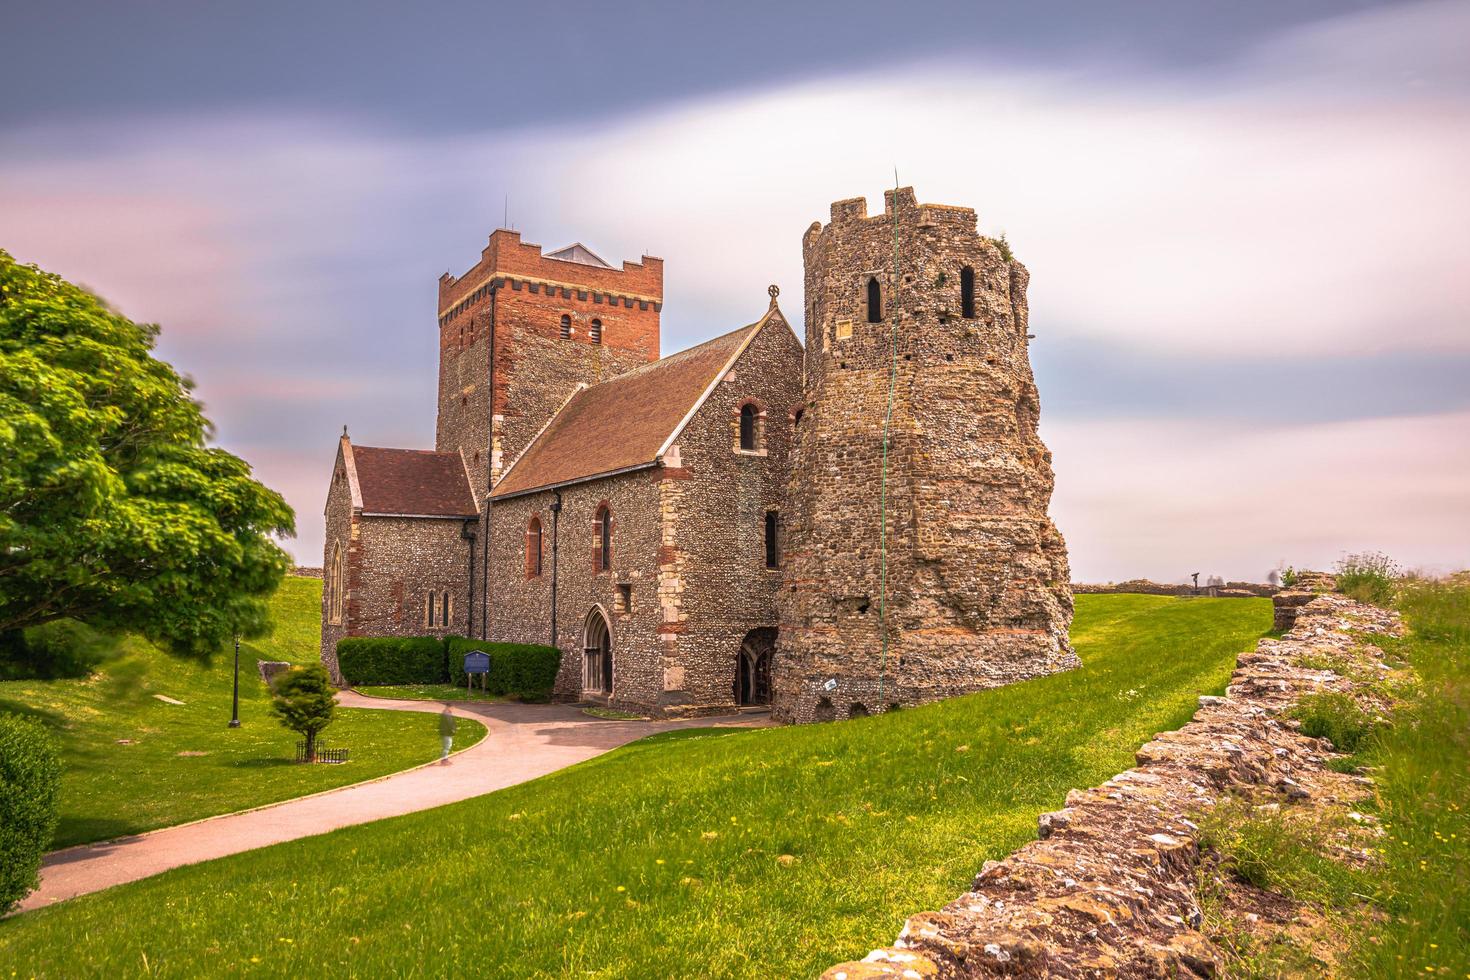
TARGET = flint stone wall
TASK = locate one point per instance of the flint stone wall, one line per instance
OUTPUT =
(688, 546)
(976, 581)
(1108, 889)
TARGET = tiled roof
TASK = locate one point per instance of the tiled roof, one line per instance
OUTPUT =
(622, 422)
(412, 481)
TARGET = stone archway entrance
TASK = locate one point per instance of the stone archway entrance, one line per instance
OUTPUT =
(597, 654)
(753, 667)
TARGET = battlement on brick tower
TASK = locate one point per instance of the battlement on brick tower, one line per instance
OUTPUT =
(977, 588)
(521, 329)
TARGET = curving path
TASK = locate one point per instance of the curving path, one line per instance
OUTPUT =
(524, 741)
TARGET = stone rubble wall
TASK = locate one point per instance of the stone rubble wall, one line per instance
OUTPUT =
(1108, 889)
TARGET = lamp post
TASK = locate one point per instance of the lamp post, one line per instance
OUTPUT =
(235, 711)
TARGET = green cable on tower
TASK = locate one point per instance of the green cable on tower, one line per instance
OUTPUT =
(883, 481)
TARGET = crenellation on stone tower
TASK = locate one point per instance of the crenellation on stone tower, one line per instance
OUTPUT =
(976, 591)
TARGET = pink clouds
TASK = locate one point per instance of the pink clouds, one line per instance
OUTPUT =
(1305, 200)
(1166, 498)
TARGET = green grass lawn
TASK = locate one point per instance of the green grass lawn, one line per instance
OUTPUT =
(1422, 764)
(771, 852)
(426, 692)
(135, 763)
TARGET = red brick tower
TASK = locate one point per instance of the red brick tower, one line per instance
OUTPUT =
(518, 333)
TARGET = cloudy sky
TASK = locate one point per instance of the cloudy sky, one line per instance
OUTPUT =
(1248, 224)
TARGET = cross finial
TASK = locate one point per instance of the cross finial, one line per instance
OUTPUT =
(344, 432)
(775, 291)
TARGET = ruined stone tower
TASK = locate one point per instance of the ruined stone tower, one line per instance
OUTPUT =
(977, 591)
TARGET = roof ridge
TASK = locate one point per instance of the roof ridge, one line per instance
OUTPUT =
(648, 405)
(399, 449)
(662, 361)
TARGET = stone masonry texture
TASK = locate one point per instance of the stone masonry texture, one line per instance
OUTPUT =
(1108, 888)
(977, 590)
(688, 550)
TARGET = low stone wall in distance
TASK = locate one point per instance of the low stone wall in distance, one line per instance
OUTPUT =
(306, 571)
(1142, 586)
(1108, 889)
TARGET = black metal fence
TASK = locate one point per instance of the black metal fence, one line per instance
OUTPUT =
(323, 753)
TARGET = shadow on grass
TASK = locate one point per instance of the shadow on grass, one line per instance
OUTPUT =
(50, 719)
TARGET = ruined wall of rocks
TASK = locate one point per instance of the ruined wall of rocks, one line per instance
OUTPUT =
(1108, 889)
(977, 582)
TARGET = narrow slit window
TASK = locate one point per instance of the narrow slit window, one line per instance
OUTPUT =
(533, 548)
(773, 539)
(444, 609)
(566, 327)
(967, 293)
(429, 609)
(875, 301)
(602, 540)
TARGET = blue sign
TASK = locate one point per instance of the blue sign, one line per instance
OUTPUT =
(477, 662)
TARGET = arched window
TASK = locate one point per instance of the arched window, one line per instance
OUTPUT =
(566, 327)
(595, 334)
(967, 293)
(875, 301)
(748, 420)
(429, 608)
(334, 586)
(445, 610)
(533, 548)
(602, 540)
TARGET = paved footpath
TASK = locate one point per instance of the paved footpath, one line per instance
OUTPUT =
(524, 741)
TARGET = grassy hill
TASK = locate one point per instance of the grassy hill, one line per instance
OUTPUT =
(755, 853)
(135, 762)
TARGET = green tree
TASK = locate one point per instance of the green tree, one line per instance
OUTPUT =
(113, 510)
(303, 699)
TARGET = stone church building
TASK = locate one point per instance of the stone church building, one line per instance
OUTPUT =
(833, 529)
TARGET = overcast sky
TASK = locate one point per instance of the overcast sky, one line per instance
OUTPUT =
(1248, 224)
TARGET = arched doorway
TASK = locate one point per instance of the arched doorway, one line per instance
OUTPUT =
(753, 666)
(597, 669)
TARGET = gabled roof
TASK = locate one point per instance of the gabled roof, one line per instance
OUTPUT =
(628, 421)
(577, 252)
(410, 482)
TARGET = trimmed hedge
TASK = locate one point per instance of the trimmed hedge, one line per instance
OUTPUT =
(30, 780)
(519, 670)
(392, 659)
